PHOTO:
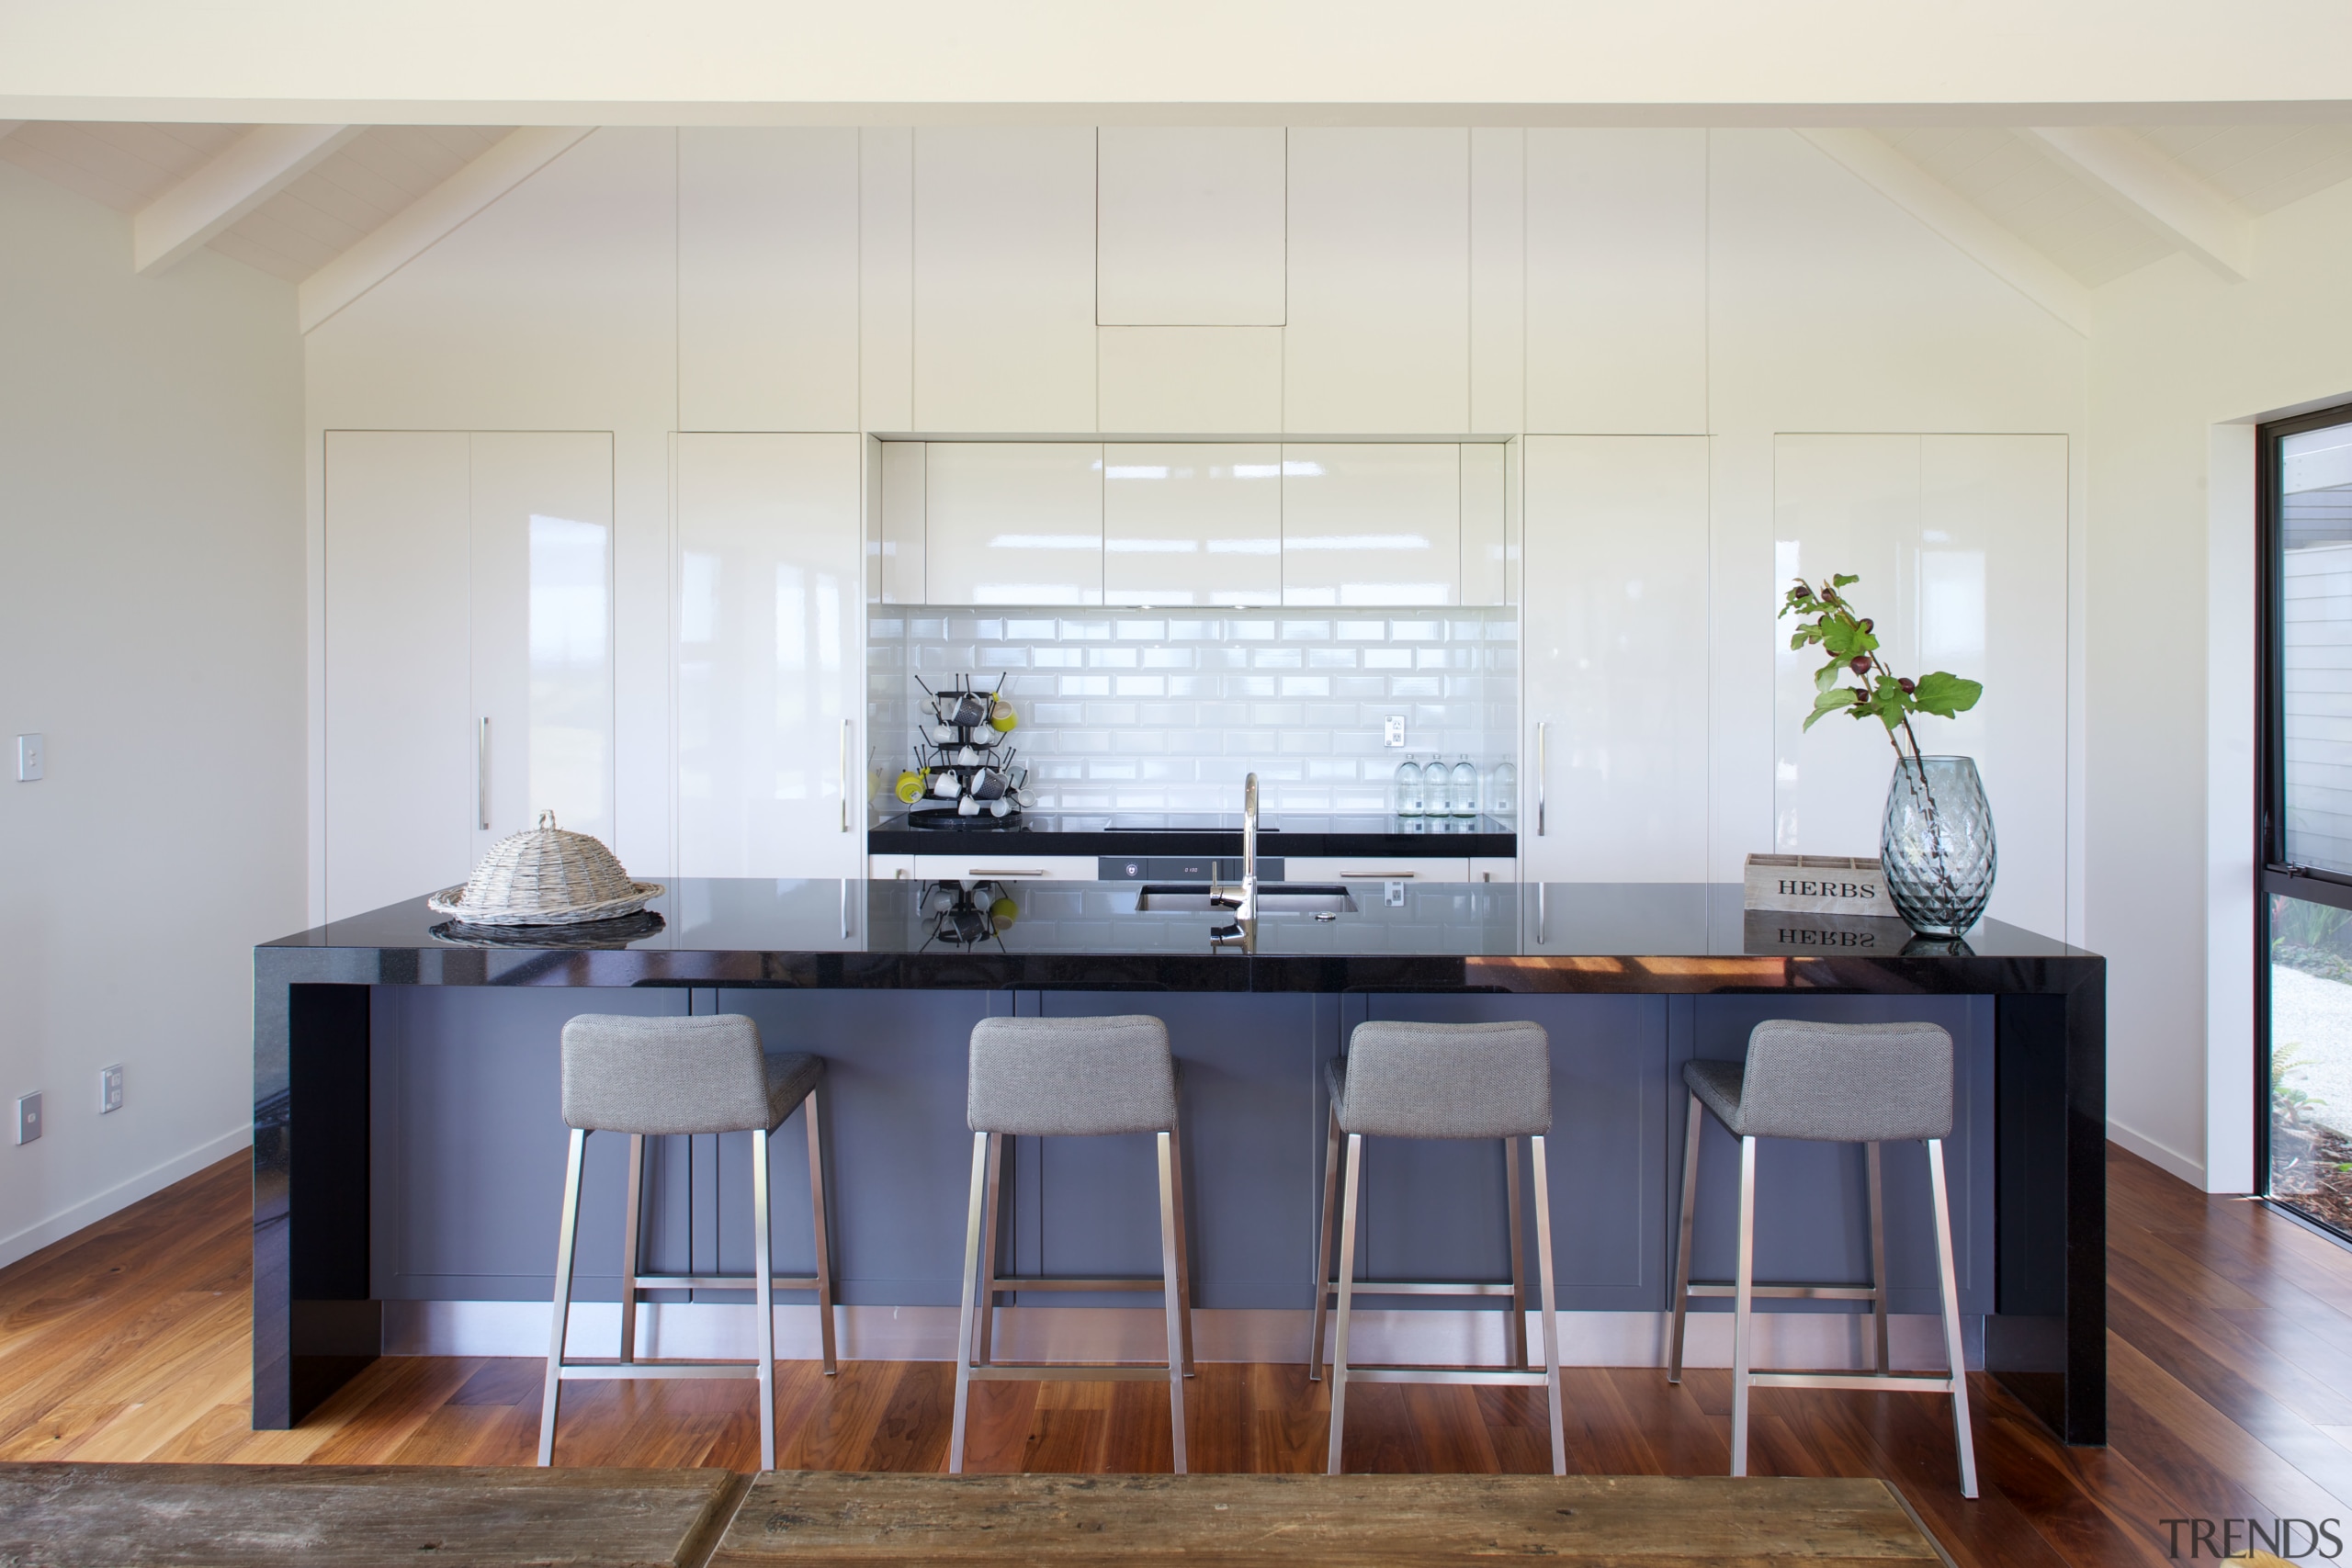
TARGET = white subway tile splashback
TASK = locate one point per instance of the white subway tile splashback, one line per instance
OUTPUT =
(1167, 713)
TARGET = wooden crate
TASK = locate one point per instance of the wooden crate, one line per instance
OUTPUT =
(1817, 884)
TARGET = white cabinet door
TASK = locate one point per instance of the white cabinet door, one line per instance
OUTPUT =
(1379, 335)
(1005, 279)
(1617, 280)
(1197, 522)
(542, 636)
(1184, 380)
(1192, 232)
(771, 656)
(1486, 577)
(400, 748)
(768, 278)
(1959, 542)
(1011, 866)
(1374, 523)
(1013, 522)
(1375, 868)
(1613, 780)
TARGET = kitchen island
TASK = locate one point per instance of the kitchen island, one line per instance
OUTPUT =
(408, 1149)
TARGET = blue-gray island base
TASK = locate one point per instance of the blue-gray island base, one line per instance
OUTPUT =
(408, 1146)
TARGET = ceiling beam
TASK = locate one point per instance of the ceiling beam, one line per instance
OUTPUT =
(226, 186)
(2158, 191)
(1983, 238)
(430, 219)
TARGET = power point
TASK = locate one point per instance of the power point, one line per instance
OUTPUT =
(1392, 730)
(109, 1088)
(27, 1118)
(32, 758)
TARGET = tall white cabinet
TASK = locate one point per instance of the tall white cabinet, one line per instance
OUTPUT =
(469, 650)
(771, 656)
(1613, 758)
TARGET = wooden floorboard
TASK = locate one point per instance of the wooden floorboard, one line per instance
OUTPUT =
(2230, 1361)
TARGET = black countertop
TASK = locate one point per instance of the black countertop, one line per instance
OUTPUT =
(1652, 937)
(1103, 833)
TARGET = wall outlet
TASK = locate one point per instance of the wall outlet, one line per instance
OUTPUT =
(1392, 730)
(32, 757)
(109, 1088)
(27, 1118)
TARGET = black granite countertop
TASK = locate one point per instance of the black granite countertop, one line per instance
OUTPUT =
(1157, 833)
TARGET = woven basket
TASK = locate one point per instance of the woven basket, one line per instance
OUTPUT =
(548, 877)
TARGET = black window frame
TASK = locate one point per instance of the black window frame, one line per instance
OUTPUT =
(2273, 875)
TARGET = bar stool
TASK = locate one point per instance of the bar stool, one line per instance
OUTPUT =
(1844, 1083)
(1069, 1077)
(655, 1077)
(1440, 1080)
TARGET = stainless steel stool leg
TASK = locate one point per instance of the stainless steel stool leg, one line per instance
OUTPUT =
(1172, 1293)
(964, 1323)
(1323, 1247)
(1184, 1243)
(1347, 1298)
(991, 1240)
(810, 1109)
(565, 1237)
(1948, 1285)
(764, 1296)
(1516, 1338)
(1682, 1240)
(1877, 1200)
(632, 1227)
(1743, 1308)
(1551, 1306)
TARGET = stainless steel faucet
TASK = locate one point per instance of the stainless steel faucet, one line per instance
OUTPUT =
(1244, 928)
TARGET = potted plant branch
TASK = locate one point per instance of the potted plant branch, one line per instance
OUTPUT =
(1936, 844)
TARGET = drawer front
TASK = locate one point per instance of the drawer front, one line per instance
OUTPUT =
(1376, 868)
(1013, 867)
(890, 868)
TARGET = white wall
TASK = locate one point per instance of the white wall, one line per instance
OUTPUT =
(2182, 364)
(151, 543)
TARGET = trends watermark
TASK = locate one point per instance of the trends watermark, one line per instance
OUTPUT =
(2258, 1541)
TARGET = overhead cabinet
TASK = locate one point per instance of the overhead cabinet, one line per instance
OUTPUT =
(1191, 523)
(1192, 230)
(1371, 523)
(469, 650)
(1012, 521)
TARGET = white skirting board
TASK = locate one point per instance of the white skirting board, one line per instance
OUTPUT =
(700, 1330)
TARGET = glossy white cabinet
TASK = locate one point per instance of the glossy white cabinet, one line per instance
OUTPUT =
(771, 656)
(1187, 380)
(1485, 578)
(469, 650)
(1374, 523)
(1374, 868)
(1378, 340)
(1005, 279)
(1011, 866)
(768, 289)
(1191, 523)
(1192, 226)
(1959, 542)
(899, 521)
(1613, 773)
(1013, 522)
(1617, 280)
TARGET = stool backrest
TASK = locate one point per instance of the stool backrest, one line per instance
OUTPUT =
(1860, 1083)
(664, 1075)
(1072, 1076)
(1449, 1080)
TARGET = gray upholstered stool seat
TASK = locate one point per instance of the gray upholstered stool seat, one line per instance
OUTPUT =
(663, 1077)
(1438, 1080)
(1069, 1077)
(1854, 1083)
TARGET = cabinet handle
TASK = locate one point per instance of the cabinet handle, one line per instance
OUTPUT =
(1377, 876)
(846, 728)
(1541, 910)
(979, 871)
(482, 777)
(1541, 734)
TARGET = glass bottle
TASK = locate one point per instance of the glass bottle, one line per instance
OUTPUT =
(1502, 790)
(1409, 788)
(1437, 789)
(1465, 788)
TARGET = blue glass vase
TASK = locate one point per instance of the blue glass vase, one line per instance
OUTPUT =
(1936, 845)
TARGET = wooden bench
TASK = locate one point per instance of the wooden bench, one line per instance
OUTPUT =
(820, 1520)
(197, 1516)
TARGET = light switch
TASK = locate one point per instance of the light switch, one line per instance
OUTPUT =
(27, 1118)
(32, 752)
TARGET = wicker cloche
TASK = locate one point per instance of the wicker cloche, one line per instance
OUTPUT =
(546, 876)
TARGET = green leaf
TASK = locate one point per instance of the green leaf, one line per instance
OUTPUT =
(1946, 695)
(1842, 578)
(1829, 701)
(1826, 674)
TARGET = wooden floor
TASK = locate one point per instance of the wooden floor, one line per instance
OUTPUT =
(2230, 1355)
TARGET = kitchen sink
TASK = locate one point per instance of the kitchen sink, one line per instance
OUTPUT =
(1273, 898)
